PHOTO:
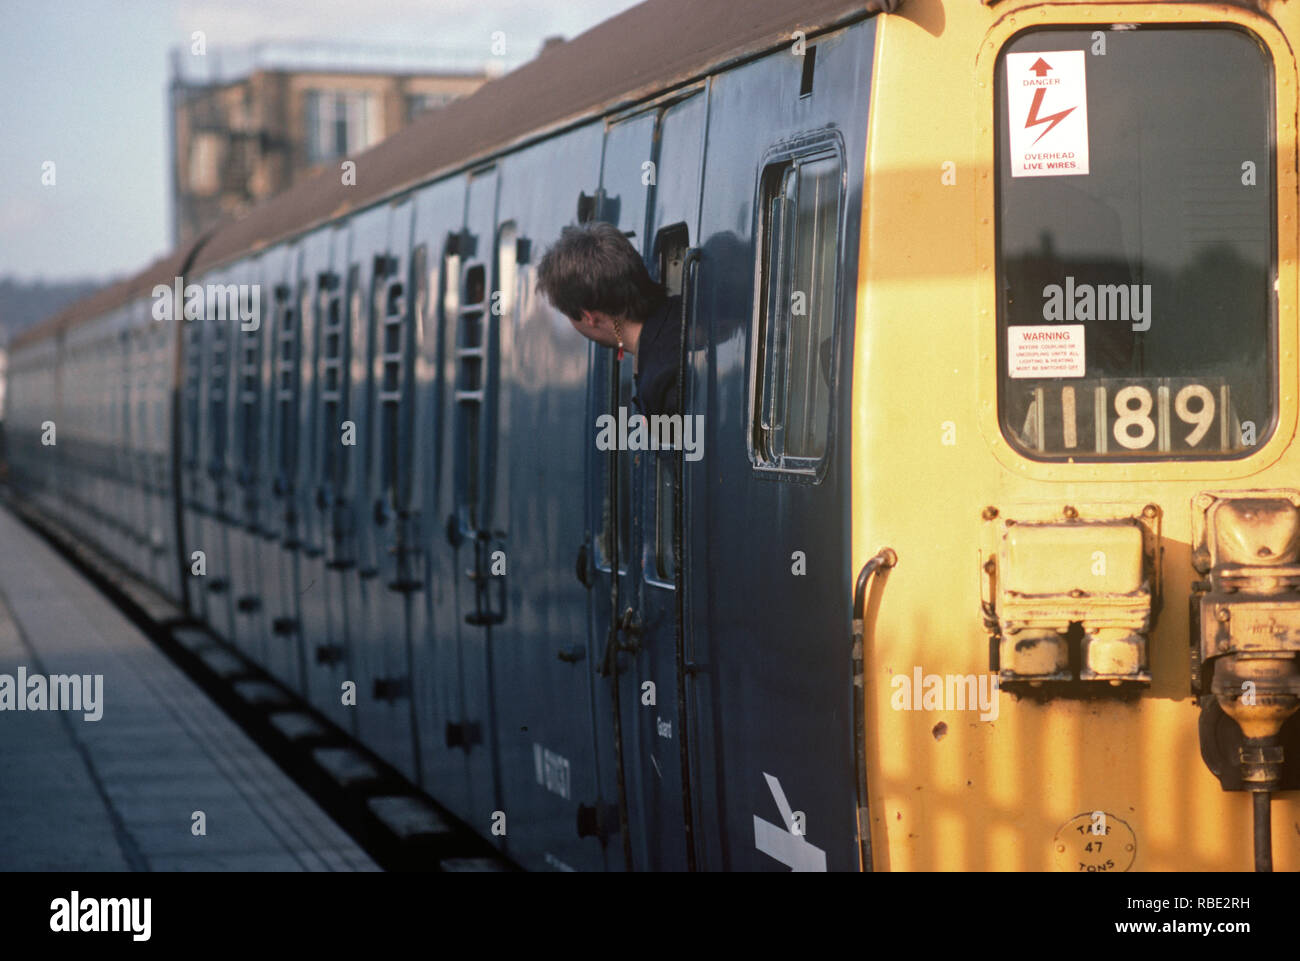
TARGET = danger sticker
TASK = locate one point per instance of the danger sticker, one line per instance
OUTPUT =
(1047, 110)
(1045, 350)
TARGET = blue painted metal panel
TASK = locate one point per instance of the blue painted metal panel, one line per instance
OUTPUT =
(772, 696)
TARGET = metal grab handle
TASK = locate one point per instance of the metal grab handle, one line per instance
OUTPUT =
(884, 559)
(690, 287)
(582, 565)
(483, 615)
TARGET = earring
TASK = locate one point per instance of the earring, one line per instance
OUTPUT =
(618, 332)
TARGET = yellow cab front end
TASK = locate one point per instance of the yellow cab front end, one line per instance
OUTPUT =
(1075, 399)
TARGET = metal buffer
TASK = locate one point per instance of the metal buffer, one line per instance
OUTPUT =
(1246, 634)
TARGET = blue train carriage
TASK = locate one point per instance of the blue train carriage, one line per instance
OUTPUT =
(592, 718)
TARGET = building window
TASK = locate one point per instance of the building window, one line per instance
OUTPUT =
(418, 103)
(801, 198)
(341, 124)
(205, 164)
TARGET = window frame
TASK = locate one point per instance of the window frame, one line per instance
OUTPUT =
(790, 153)
(658, 562)
(1278, 157)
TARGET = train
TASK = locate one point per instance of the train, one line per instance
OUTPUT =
(988, 555)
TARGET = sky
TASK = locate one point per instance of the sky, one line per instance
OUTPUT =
(85, 86)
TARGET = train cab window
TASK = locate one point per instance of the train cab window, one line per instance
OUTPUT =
(1136, 255)
(801, 201)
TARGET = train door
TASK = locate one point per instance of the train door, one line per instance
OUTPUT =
(153, 427)
(542, 661)
(382, 713)
(136, 499)
(304, 614)
(54, 463)
(193, 443)
(394, 525)
(288, 338)
(348, 549)
(142, 347)
(650, 189)
(659, 632)
(287, 345)
(472, 529)
(436, 673)
(329, 656)
(126, 503)
(220, 494)
(254, 570)
(623, 200)
(768, 494)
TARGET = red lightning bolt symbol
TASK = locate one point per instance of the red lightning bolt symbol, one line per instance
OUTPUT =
(1052, 119)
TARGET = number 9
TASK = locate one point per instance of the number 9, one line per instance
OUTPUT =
(1203, 418)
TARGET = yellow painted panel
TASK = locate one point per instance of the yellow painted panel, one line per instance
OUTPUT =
(1059, 558)
(928, 458)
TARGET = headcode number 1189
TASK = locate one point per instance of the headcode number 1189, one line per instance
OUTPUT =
(1168, 415)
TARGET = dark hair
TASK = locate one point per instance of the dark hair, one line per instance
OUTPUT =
(594, 267)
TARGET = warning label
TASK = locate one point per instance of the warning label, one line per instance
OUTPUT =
(1045, 350)
(1047, 111)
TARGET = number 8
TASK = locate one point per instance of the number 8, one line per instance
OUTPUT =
(1128, 416)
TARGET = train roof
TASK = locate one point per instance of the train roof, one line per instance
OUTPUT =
(625, 59)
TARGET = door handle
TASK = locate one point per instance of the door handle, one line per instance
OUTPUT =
(630, 626)
(582, 564)
(455, 535)
(483, 614)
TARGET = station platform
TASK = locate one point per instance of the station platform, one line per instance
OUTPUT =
(121, 793)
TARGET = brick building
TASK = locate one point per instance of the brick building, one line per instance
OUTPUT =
(242, 134)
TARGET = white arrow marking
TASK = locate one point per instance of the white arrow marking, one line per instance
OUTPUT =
(789, 848)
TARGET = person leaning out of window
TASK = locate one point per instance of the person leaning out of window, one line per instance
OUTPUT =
(595, 277)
